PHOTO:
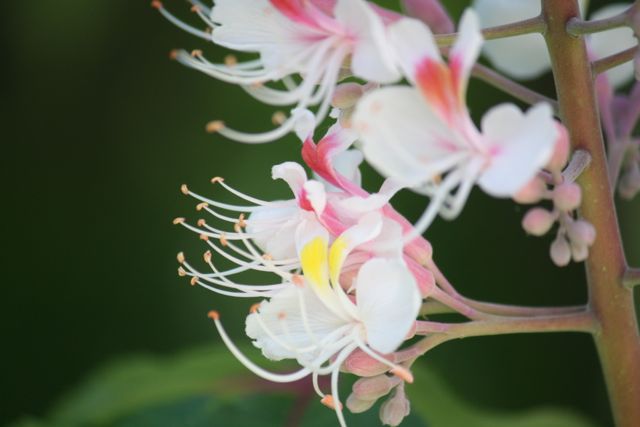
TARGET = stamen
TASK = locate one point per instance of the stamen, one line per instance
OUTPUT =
(180, 257)
(230, 61)
(178, 23)
(330, 402)
(178, 220)
(214, 126)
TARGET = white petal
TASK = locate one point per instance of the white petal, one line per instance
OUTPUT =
(357, 206)
(388, 302)
(291, 327)
(413, 42)
(372, 58)
(314, 192)
(613, 41)
(272, 228)
(466, 50)
(347, 164)
(401, 137)
(523, 144)
(292, 173)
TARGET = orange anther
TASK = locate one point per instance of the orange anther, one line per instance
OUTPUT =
(173, 54)
(204, 237)
(278, 118)
(213, 315)
(195, 8)
(254, 308)
(196, 53)
(297, 280)
(193, 281)
(180, 257)
(217, 179)
(214, 126)
(156, 4)
(403, 373)
(267, 257)
(241, 221)
(207, 256)
(230, 60)
(201, 206)
(184, 189)
(181, 272)
(201, 222)
(178, 220)
(329, 402)
(223, 240)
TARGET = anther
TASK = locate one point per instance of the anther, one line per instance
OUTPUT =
(193, 281)
(173, 54)
(201, 206)
(237, 228)
(403, 374)
(230, 60)
(195, 8)
(267, 257)
(297, 280)
(184, 189)
(254, 308)
(217, 179)
(214, 126)
(207, 256)
(241, 222)
(196, 52)
(223, 240)
(178, 220)
(181, 272)
(180, 257)
(278, 118)
(213, 315)
(201, 222)
(204, 237)
(156, 4)
(329, 402)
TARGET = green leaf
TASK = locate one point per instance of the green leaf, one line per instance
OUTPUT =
(435, 401)
(207, 387)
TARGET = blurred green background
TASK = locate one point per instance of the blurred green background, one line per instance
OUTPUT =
(100, 131)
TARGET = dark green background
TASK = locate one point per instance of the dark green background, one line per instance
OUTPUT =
(99, 131)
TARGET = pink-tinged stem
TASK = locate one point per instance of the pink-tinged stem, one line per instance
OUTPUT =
(616, 336)
(604, 64)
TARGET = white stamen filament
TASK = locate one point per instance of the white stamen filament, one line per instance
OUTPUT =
(182, 25)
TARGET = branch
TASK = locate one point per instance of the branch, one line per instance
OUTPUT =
(604, 64)
(528, 26)
(631, 278)
(577, 26)
(583, 321)
(514, 89)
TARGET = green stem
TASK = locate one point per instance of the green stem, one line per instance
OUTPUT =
(507, 85)
(533, 25)
(604, 64)
(583, 321)
(617, 338)
(631, 277)
(577, 27)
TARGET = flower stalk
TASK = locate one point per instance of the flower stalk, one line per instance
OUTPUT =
(616, 335)
(604, 64)
(528, 26)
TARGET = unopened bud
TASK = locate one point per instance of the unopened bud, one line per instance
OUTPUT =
(579, 251)
(581, 232)
(560, 155)
(567, 196)
(629, 184)
(346, 95)
(432, 13)
(538, 221)
(358, 406)
(394, 409)
(374, 387)
(560, 251)
(532, 192)
(363, 365)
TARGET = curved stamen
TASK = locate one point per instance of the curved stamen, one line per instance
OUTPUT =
(178, 23)
(220, 181)
(397, 370)
(261, 372)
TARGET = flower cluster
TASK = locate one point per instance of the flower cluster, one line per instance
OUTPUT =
(344, 275)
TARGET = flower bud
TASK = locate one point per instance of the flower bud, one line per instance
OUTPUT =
(567, 196)
(560, 251)
(357, 405)
(532, 192)
(581, 232)
(363, 365)
(394, 409)
(432, 13)
(560, 155)
(579, 251)
(538, 221)
(373, 388)
(629, 184)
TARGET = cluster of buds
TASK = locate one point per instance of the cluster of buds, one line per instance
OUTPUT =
(343, 274)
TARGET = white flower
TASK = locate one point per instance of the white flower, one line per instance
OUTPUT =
(319, 324)
(423, 134)
(312, 39)
(526, 56)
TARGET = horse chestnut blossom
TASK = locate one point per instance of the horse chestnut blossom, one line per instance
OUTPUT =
(346, 283)
(294, 37)
(424, 137)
